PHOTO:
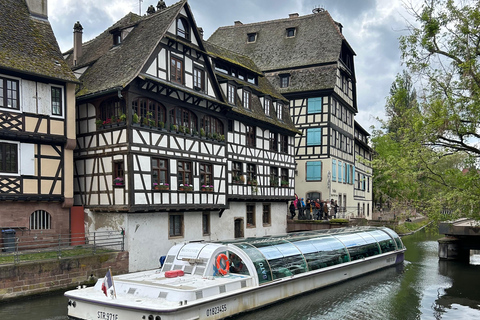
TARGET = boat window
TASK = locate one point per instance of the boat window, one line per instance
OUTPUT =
(330, 251)
(385, 241)
(261, 265)
(237, 265)
(357, 246)
(395, 237)
(284, 258)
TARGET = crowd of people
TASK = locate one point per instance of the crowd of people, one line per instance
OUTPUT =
(313, 209)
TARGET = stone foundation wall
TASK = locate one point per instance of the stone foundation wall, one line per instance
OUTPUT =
(39, 277)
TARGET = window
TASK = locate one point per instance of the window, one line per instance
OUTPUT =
(251, 173)
(267, 106)
(206, 174)
(314, 105)
(231, 94)
(314, 170)
(250, 131)
(8, 158)
(159, 171)
(175, 225)
(251, 37)
(237, 172)
(149, 112)
(334, 170)
(283, 143)
(118, 173)
(340, 175)
(284, 177)
(9, 95)
(56, 101)
(250, 215)
(185, 175)
(290, 32)
(279, 111)
(247, 99)
(117, 37)
(183, 118)
(176, 70)
(266, 216)
(40, 220)
(273, 177)
(273, 141)
(314, 136)
(284, 80)
(211, 125)
(183, 28)
(344, 173)
(198, 79)
(206, 223)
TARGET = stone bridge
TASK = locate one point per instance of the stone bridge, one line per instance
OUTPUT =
(461, 236)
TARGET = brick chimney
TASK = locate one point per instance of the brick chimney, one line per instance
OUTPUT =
(238, 23)
(38, 8)
(77, 42)
(293, 15)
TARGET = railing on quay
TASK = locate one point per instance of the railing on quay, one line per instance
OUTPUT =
(40, 246)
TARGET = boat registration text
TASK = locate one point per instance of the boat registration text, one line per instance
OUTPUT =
(107, 315)
(216, 310)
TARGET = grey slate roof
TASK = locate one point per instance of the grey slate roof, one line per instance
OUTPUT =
(28, 44)
(115, 67)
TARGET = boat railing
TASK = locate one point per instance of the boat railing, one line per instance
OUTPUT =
(26, 245)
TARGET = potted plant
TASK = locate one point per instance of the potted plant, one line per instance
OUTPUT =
(203, 188)
(284, 183)
(122, 117)
(188, 187)
(202, 133)
(163, 186)
(161, 125)
(174, 127)
(155, 186)
(209, 188)
(273, 182)
(135, 118)
(99, 123)
(118, 181)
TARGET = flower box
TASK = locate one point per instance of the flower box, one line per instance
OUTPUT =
(118, 182)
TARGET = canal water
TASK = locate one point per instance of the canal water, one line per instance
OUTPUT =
(422, 288)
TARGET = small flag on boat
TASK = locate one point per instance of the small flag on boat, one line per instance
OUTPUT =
(107, 286)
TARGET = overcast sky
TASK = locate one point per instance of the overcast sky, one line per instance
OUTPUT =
(372, 28)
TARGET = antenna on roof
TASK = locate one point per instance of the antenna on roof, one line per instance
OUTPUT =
(140, 7)
(318, 9)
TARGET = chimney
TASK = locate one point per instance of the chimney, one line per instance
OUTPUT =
(340, 26)
(38, 8)
(200, 30)
(293, 15)
(77, 42)
(238, 23)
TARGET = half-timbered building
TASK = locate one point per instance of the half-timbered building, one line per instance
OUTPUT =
(37, 121)
(309, 61)
(173, 140)
(363, 180)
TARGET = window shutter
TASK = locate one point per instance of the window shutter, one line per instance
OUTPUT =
(334, 170)
(314, 170)
(353, 176)
(339, 171)
(314, 136)
(315, 105)
(27, 156)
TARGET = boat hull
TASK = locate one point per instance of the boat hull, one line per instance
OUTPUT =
(238, 301)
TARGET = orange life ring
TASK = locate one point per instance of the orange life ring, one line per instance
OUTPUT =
(227, 266)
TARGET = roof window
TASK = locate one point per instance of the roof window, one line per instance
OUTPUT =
(252, 37)
(290, 32)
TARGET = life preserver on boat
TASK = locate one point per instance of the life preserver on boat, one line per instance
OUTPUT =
(227, 264)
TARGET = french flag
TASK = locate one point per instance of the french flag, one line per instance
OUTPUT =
(107, 283)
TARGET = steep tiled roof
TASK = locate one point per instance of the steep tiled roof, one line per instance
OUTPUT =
(116, 66)
(28, 45)
(318, 40)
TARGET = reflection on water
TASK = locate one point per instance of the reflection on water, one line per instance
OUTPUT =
(422, 288)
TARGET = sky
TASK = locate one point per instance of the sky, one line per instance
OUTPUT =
(371, 27)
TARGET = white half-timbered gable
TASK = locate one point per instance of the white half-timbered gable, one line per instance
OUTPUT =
(157, 136)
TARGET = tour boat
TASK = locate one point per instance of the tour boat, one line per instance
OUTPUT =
(214, 280)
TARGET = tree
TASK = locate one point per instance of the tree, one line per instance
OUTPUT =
(436, 143)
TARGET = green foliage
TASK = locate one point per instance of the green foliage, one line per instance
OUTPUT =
(427, 151)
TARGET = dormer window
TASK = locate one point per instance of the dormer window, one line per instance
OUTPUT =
(290, 32)
(284, 80)
(183, 28)
(251, 37)
(117, 36)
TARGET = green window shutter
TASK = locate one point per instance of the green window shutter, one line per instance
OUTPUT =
(314, 170)
(314, 105)
(314, 136)
(340, 171)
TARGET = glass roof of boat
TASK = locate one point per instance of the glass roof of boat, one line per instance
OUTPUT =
(295, 253)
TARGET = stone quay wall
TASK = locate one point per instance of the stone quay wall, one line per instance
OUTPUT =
(39, 277)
